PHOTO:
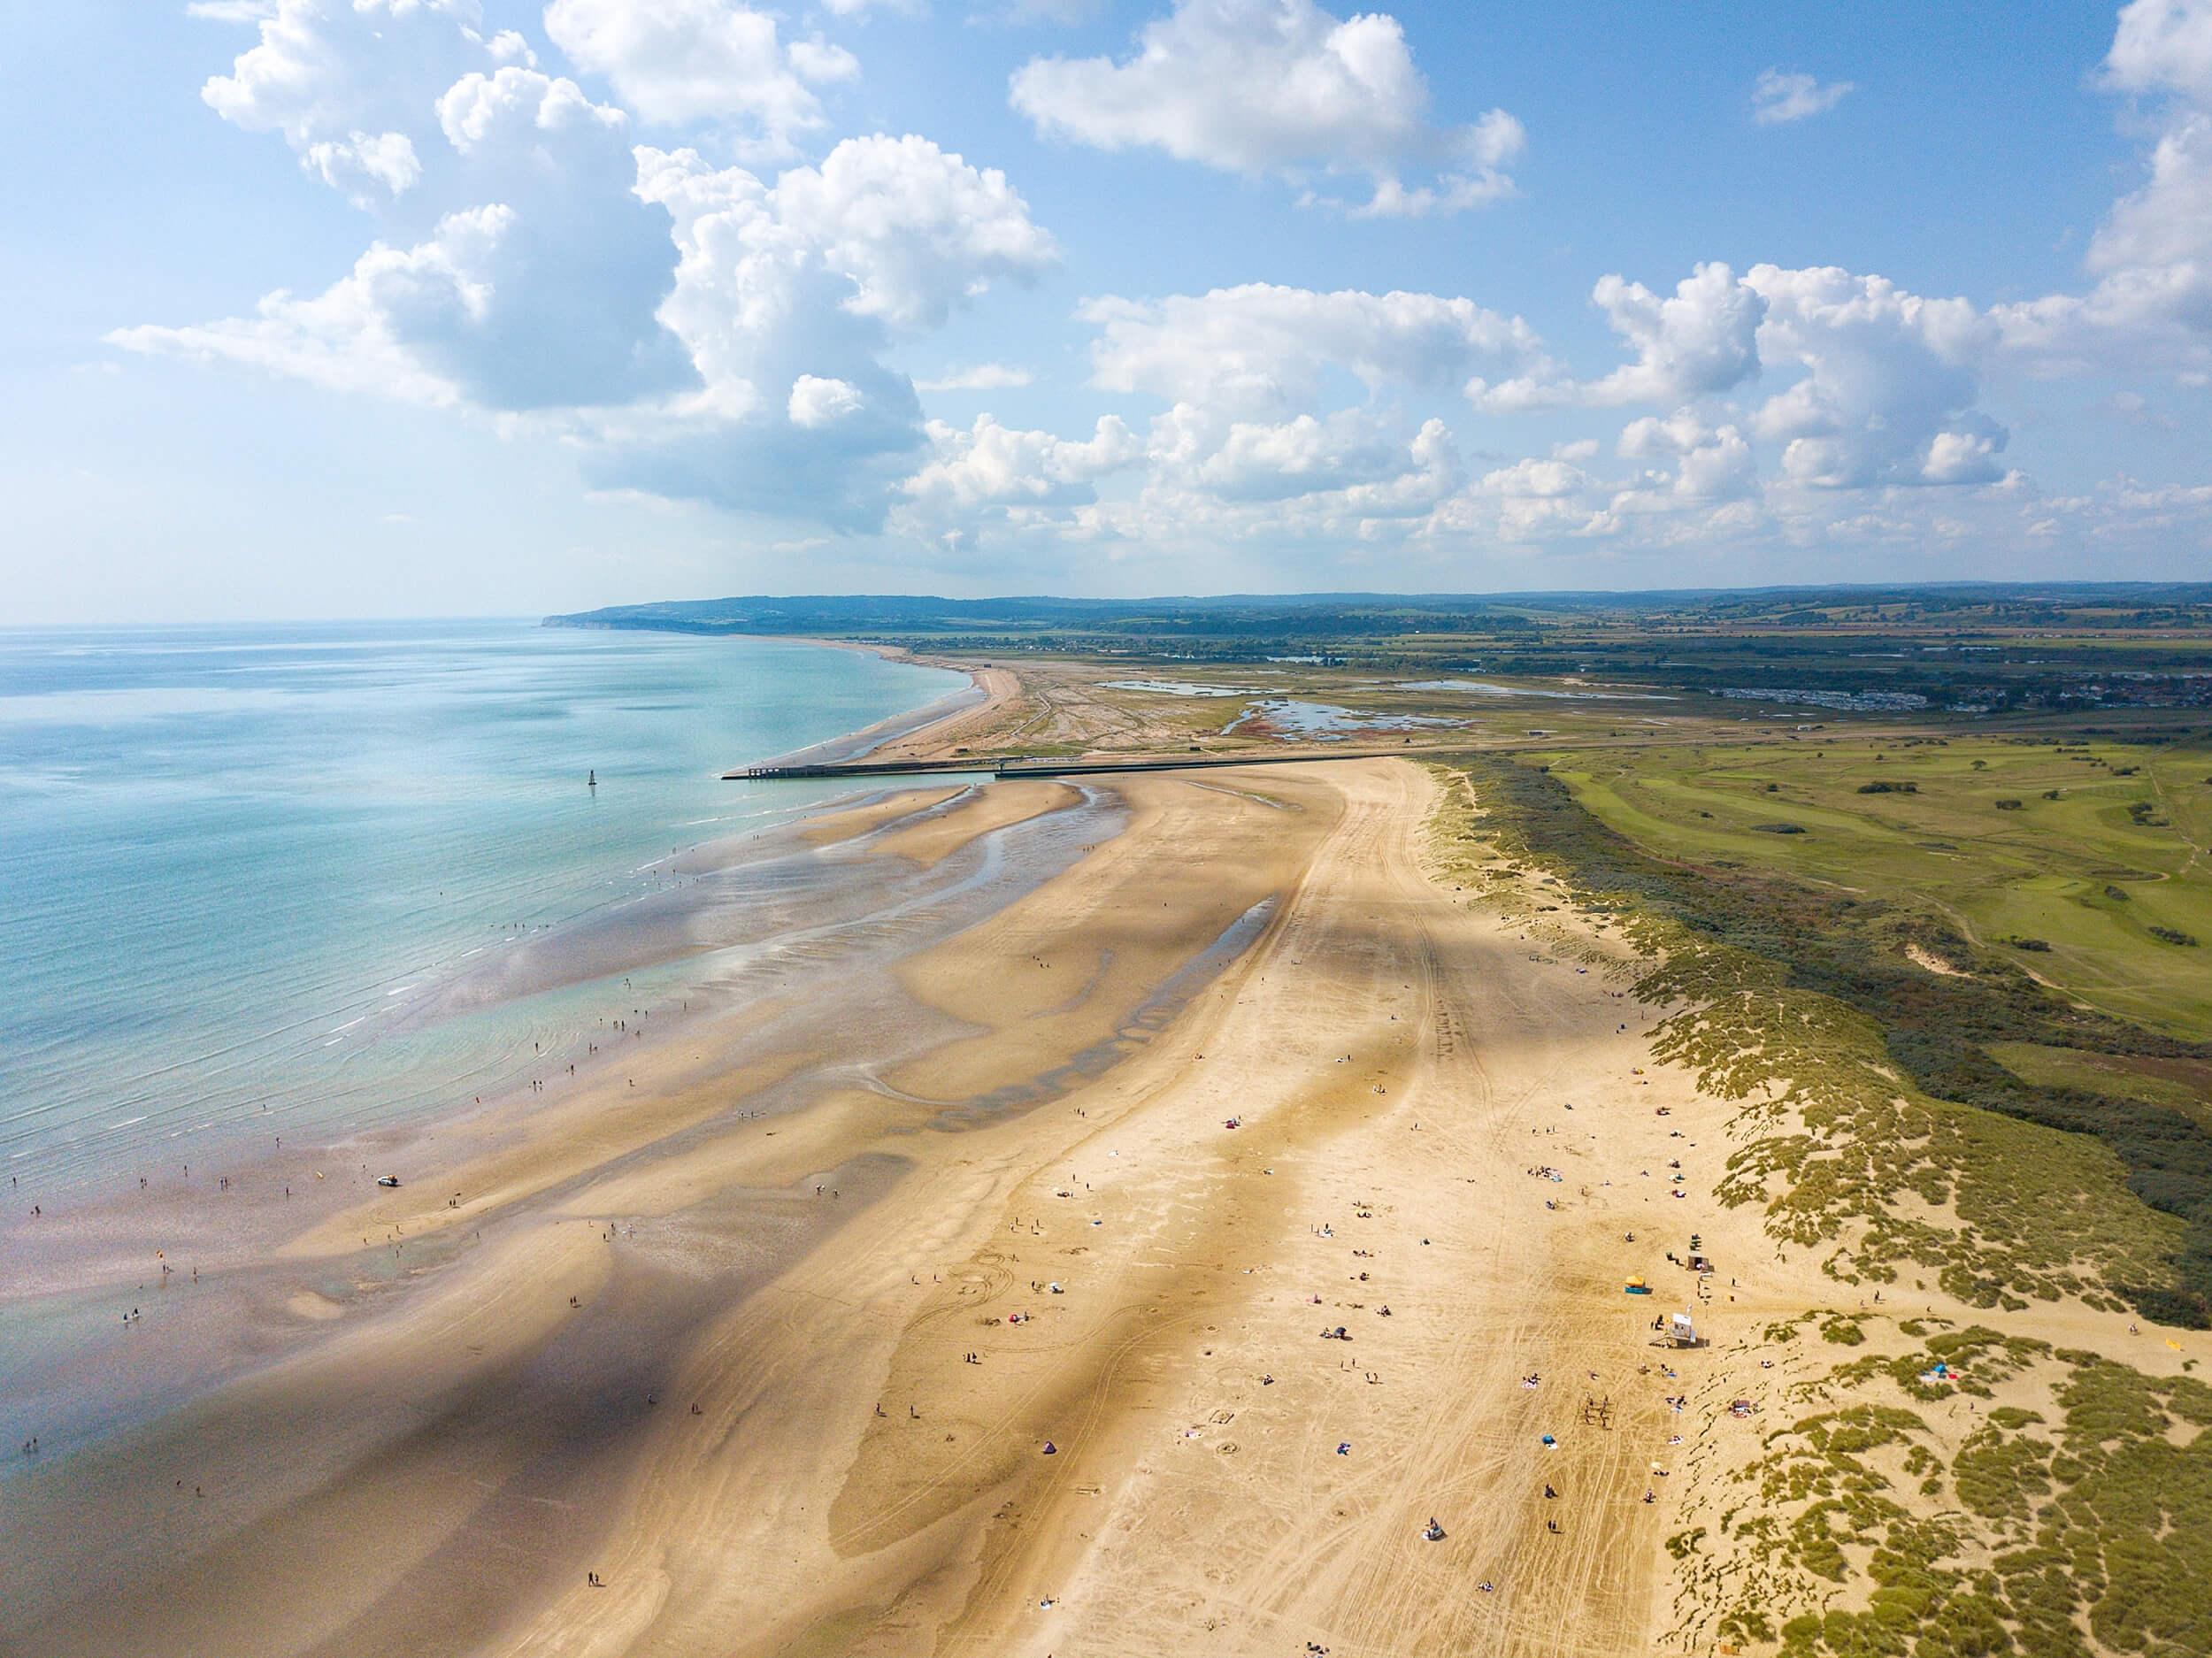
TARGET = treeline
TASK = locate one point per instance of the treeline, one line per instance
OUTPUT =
(1371, 615)
(1865, 639)
(1073, 621)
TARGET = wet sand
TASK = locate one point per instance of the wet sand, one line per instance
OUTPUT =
(290, 1389)
(965, 1294)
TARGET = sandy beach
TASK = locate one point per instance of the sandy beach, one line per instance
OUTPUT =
(1187, 829)
(983, 1297)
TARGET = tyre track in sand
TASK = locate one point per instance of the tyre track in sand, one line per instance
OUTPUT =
(1336, 1557)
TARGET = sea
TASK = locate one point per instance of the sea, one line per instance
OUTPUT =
(234, 859)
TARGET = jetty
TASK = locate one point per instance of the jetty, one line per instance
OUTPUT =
(1030, 765)
(1095, 766)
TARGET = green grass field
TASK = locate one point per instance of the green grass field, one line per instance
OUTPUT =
(2184, 1083)
(1857, 964)
(2104, 847)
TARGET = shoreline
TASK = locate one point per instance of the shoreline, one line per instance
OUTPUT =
(444, 975)
(94, 1264)
(202, 1259)
(673, 1076)
(991, 689)
(858, 744)
(947, 1278)
(951, 1282)
(389, 871)
(1158, 1206)
(782, 1344)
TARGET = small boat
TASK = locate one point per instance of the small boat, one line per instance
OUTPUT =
(387, 1180)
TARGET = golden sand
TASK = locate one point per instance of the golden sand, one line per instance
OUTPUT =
(677, 1379)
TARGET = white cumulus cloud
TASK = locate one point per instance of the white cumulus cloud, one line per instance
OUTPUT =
(354, 88)
(1711, 464)
(384, 159)
(362, 334)
(1778, 98)
(326, 72)
(2154, 253)
(816, 403)
(1534, 500)
(918, 230)
(2151, 307)
(1276, 86)
(541, 296)
(513, 105)
(676, 62)
(1250, 461)
(1261, 349)
(693, 331)
(2161, 46)
(1891, 381)
(802, 285)
(982, 377)
(1879, 386)
(1702, 340)
(986, 464)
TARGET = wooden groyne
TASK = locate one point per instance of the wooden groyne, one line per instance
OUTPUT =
(1081, 766)
(1027, 765)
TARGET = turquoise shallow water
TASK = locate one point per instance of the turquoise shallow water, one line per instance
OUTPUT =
(231, 857)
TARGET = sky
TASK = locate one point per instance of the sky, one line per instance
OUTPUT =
(327, 308)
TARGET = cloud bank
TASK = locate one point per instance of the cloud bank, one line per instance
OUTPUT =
(655, 253)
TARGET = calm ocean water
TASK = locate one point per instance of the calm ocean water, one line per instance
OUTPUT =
(229, 857)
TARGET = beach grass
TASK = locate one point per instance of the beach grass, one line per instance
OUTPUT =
(1876, 1127)
(2061, 1522)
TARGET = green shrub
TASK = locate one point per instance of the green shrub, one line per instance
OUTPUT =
(2106, 1526)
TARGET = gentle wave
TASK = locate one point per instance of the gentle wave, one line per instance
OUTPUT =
(251, 854)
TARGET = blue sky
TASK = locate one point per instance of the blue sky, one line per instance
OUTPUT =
(345, 307)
